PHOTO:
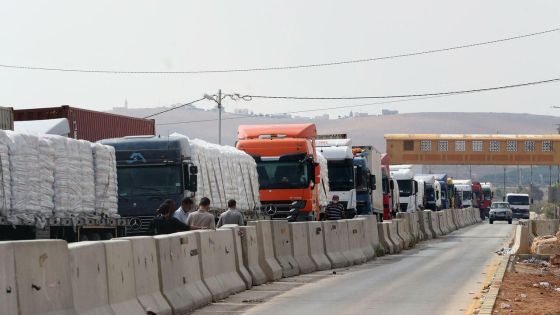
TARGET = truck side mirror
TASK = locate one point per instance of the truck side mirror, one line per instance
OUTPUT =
(373, 182)
(193, 169)
(193, 183)
(190, 178)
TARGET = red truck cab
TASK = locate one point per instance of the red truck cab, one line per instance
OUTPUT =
(287, 166)
(387, 184)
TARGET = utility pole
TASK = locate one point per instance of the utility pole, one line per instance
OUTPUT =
(504, 181)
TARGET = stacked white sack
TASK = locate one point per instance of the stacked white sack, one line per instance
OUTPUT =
(324, 187)
(74, 182)
(47, 169)
(254, 181)
(25, 182)
(62, 176)
(88, 179)
(5, 179)
(225, 158)
(105, 174)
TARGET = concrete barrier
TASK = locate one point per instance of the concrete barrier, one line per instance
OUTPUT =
(250, 251)
(43, 278)
(367, 248)
(8, 289)
(88, 272)
(300, 247)
(450, 222)
(372, 234)
(238, 253)
(355, 232)
(435, 224)
(217, 263)
(316, 245)
(146, 268)
(394, 236)
(333, 244)
(179, 270)
(521, 244)
(403, 233)
(267, 261)
(416, 222)
(424, 223)
(443, 223)
(385, 240)
(412, 227)
(283, 248)
(429, 223)
(544, 227)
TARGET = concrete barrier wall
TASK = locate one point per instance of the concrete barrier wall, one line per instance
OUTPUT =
(450, 222)
(88, 272)
(283, 248)
(333, 244)
(354, 232)
(384, 240)
(179, 272)
(403, 233)
(367, 248)
(238, 253)
(250, 250)
(394, 236)
(217, 263)
(544, 227)
(521, 244)
(267, 261)
(42, 272)
(146, 268)
(443, 223)
(300, 247)
(415, 224)
(372, 234)
(120, 278)
(435, 224)
(316, 245)
(425, 229)
(8, 289)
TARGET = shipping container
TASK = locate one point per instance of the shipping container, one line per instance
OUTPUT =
(91, 125)
(6, 118)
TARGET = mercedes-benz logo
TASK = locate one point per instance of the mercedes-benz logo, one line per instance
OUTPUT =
(270, 210)
(134, 223)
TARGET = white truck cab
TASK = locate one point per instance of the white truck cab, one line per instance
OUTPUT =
(408, 187)
(464, 189)
(520, 205)
(432, 191)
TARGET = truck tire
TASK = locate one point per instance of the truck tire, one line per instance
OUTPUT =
(509, 221)
(491, 221)
(108, 236)
(95, 237)
(84, 238)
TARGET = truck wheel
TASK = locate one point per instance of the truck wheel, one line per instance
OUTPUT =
(509, 221)
(84, 238)
(491, 221)
(95, 237)
(108, 236)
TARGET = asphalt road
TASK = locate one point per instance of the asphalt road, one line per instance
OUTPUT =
(436, 277)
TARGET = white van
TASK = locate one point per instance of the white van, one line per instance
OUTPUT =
(520, 205)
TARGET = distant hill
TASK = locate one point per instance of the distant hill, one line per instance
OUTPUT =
(366, 130)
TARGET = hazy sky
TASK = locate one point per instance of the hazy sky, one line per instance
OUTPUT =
(194, 35)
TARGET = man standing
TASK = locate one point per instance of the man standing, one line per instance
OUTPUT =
(182, 213)
(201, 218)
(231, 216)
(335, 209)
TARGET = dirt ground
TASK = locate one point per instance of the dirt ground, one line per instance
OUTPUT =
(524, 290)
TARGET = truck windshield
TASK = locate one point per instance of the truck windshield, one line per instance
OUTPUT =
(430, 194)
(467, 195)
(341, 175)
(149, 180)
(405, 187)
(487, 195)
(283, 174)
(518, 200)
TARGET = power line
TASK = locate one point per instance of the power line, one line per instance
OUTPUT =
(503, 87)
(174, 108)
(287, 67)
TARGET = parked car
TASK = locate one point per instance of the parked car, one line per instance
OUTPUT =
(500, 211)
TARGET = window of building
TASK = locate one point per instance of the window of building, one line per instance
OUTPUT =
(529, 146)
(426, 145)
(443, 145)
(408, 145)
(477, 146)
(512, 146)
(494, 146)
(547, 146)
(460, 146)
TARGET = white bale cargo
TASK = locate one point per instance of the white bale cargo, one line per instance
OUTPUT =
(105, 175)
(88, 271)
(5, 179)
(146, 268)
(43, 278)
(300, 247)
(47, 169)
(179, 271)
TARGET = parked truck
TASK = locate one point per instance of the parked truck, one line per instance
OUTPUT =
(388, 188)
(520, 205)
(446, 191)
(432, 191)
(152, 169)
(340, 162)
(464, 191)
(367, 162)
(488, 194)
(288, 168)
(408, 187)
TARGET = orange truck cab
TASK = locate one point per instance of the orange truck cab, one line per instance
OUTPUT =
(287, 166)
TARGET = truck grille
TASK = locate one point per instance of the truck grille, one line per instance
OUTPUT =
(138, 225)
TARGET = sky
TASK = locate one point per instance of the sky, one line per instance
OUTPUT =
(137, 35)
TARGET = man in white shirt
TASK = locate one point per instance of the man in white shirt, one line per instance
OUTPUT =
(182, 213)
(231, 216)
(201, 218)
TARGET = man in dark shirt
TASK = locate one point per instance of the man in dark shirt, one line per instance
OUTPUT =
(335, 209)
(165, 223)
